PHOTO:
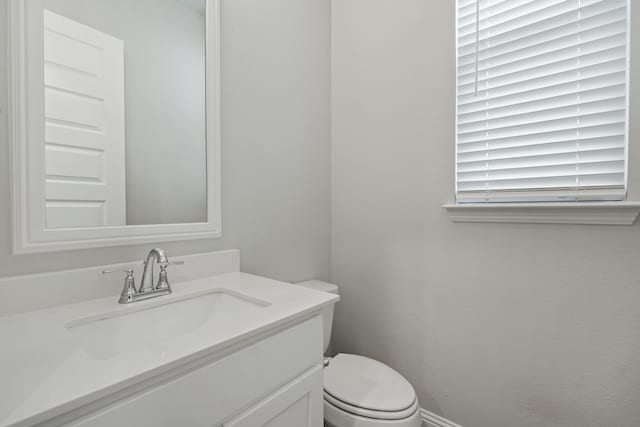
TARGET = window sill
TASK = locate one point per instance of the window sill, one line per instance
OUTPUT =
(603, 213)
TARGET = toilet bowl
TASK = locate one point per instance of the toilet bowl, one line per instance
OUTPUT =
(362, 392)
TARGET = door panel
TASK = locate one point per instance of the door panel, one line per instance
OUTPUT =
(85, 214)
(73, 109)
(72, 162)
(298, 404)
(84, 125)
(295, 415)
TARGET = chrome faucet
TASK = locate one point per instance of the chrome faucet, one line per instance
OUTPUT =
(155, 255)
(147, 289)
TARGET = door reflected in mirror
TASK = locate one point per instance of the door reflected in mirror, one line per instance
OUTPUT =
(125, 119)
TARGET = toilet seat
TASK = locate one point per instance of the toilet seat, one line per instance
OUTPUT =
(368, 388)
(370, 413)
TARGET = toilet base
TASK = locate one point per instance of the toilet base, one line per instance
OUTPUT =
(336, 417)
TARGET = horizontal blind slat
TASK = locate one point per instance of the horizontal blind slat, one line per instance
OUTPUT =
(542, 115)
(612, 81)
(508, 24)
(538, 34)
(600, 70)
(534, 149)
(546, 195)
(568, 98)
(467, 8)
(567, 64)
(572, 45)
(614, 179)
(587, 16)
(572, 157)
(518, 16)
(547, 125)
(560, 169)
(546, 135)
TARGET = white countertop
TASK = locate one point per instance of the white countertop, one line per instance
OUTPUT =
(44, 372)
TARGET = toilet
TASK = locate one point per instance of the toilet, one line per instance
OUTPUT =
(362, 392)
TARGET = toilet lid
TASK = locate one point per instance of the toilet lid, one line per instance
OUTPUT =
(367, 383)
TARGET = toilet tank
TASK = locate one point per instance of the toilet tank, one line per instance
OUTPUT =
(327, 314)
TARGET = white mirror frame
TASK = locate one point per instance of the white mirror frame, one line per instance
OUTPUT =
(26, 136)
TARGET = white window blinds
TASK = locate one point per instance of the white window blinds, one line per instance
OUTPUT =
(541, 100)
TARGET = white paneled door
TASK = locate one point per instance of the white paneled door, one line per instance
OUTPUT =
(84, 125)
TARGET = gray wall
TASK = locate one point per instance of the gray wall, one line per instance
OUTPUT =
(275, 147)
(496, 325)
(164, 50)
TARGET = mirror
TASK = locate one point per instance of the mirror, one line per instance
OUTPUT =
(115, 130)
(124, 116)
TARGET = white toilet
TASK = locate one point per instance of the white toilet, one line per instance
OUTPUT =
(362, 392)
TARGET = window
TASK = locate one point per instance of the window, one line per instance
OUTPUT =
(542, 100)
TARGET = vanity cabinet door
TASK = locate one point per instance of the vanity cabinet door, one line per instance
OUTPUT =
(298, 404)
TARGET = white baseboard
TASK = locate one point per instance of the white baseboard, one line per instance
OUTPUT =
(429, 419)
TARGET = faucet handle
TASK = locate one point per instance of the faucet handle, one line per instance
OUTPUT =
(129, 290)
(168, 263)
(163, 280)
(129, 271)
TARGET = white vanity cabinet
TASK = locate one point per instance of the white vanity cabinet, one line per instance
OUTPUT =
(275, 381)
(299, 403)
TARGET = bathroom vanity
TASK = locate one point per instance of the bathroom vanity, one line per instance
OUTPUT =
(226, 350)
(112, 147)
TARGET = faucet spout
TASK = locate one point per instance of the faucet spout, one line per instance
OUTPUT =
(156, 255)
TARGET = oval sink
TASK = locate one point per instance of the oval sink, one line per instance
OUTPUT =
(155, 324)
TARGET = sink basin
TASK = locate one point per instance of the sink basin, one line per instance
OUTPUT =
(155, 324)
